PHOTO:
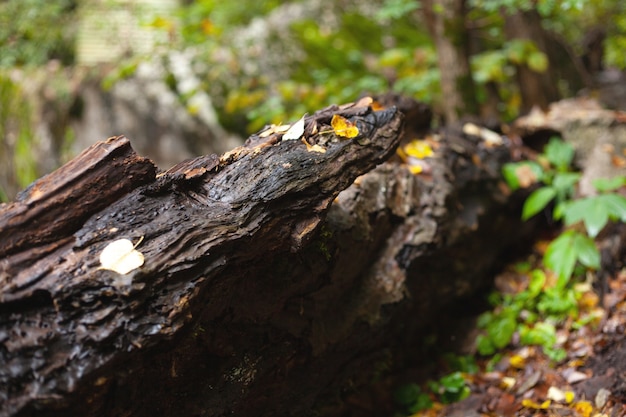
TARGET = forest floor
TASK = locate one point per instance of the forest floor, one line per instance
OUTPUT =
(589, 382)
(520, 380)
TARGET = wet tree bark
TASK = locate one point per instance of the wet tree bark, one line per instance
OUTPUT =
(263, 288)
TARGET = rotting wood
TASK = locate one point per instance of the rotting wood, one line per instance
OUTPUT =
(264, 289)
(65, 321)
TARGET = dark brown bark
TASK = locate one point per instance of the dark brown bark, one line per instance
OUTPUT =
(257, 296)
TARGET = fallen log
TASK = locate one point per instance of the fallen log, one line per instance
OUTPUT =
(254, 287)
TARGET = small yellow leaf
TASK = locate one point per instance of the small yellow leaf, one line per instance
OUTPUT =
(569, 396)
(583, 408)
(416, 169)
(517, 361)
(419, 149)
(528, 403)
(295, 131)
(344, 127)
(120, 256)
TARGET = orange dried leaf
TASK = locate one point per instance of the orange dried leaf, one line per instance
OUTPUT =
(376, 106)
(344, 127)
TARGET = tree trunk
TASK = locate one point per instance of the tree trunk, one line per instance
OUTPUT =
(536, 88)
(263, 289)
(446, 23)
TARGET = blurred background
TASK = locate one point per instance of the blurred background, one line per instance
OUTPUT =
(181, 78)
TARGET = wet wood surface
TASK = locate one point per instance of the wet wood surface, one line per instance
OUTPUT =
(273, 275)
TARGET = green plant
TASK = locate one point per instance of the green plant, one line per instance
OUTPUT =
(448, 389)
(412, 399)
(559, 182)
(535, 312)
(34, 31)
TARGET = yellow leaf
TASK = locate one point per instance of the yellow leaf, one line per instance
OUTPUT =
(419, 149)
(528, 403)
(120, 256)
(584, 408)
(416, 169)
(569, 396)
(517, 361)
(344, 127)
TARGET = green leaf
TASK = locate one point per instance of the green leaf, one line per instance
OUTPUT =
(591, 210)
(594, 212)
(616, 206)
(558, 302)
(564, 183)
(537, 201)
(560, 257)
(608, 184)
(537, 281)
(586, 251)
(522, 174)
(537, 61)
(542, 333)
(559, 153)
(501, 330)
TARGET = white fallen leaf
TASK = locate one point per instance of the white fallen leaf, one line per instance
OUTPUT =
(555, 394)
(121, 256)
(295, 131)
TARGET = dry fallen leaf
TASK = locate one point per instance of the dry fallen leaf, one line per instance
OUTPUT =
(121, 256)
(295, 131)
(274, 129)
(313, 148)
(344, 127)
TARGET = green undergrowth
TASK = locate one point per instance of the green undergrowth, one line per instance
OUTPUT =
(554, 285)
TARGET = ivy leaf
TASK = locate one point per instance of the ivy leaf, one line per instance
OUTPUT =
(537, 201)
(344, 127)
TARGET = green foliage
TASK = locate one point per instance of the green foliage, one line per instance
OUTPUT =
(534, 312)
(34, 31)
(17, 165)
(412, 399)
(567, 249)
(540, 304)
(552, 169)
(450, 388)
